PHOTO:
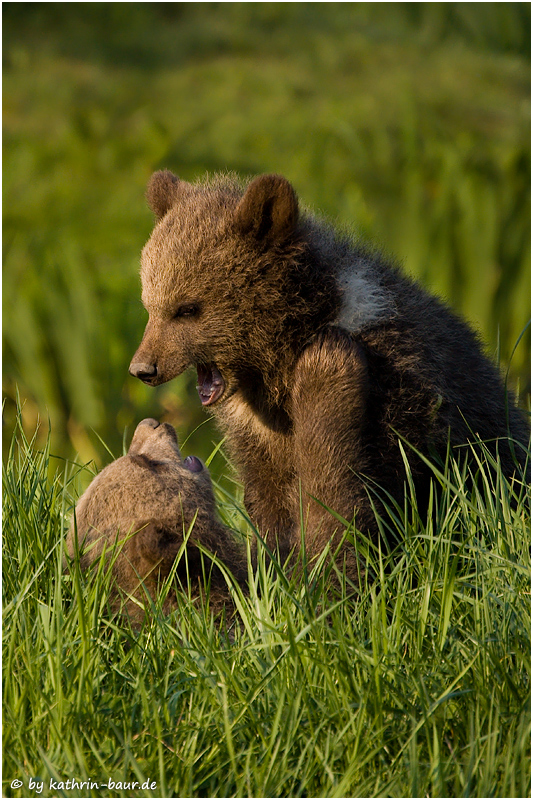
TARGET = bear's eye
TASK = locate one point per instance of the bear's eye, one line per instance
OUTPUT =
(187, 310)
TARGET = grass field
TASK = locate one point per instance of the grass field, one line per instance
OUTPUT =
(420, 687)
(408, 123)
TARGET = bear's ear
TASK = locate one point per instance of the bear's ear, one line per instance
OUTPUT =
(157, 540)
(158, 543)
(269, 209)
(162, 191)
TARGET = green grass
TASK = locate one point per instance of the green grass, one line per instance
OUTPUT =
(421, 687)
(408, 123)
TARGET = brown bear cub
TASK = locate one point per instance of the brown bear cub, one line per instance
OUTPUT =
(146, 503)
(315, 355)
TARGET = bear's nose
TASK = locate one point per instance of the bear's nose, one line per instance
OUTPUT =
(152, 423)
(145, 372)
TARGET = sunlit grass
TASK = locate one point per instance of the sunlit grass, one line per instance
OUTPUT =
(418, 684)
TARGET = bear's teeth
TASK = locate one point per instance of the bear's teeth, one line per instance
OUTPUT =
(210, 384)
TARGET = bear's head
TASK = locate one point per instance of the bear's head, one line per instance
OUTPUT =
(142, 506)
(224, 283)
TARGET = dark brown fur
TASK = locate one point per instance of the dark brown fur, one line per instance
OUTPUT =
(145, 503)
(326, 352)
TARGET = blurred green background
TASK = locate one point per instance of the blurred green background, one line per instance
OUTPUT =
(406, 122)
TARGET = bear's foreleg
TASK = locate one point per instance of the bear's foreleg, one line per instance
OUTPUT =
(265, 462)
(329, 401)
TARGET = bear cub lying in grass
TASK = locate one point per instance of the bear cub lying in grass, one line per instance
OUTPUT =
(144, 504)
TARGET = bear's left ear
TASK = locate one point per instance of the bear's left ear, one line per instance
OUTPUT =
(269, 209)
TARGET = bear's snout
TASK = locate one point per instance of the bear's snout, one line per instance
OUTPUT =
(155, 440)
(145, 372)
(150, 422)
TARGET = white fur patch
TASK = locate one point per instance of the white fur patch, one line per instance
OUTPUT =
(364, 301)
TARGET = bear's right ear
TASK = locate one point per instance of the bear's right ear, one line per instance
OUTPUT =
(269, 209)
(157, 540)
(162, 191)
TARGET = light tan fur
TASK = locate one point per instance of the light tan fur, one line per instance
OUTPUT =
(142, 507)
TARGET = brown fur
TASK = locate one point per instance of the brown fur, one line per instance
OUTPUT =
(314, 354)
(145, 502)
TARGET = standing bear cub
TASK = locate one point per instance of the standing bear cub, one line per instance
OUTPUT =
(315, 356)
(147, 502)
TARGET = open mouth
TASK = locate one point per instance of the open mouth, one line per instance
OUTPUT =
(193, 464)
(210, 384)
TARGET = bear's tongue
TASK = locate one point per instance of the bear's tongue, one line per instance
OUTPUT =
(210, 383)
